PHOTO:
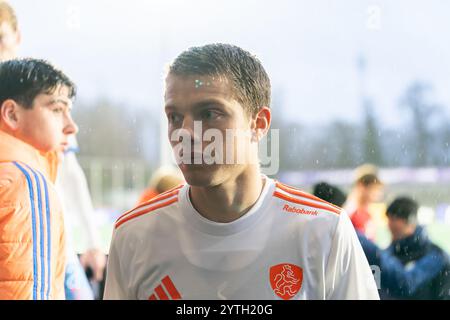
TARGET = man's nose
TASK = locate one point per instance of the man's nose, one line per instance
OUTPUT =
(194, 128)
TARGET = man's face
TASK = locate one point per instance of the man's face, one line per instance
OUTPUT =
(9, 41)
(208, 101)
(372, 192)
(400, 228)
(48, 124)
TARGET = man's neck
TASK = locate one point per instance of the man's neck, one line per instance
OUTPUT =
(230, 200)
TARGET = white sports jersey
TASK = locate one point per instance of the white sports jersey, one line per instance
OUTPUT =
(290, 245)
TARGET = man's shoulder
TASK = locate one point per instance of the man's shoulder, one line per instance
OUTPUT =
(292, 200)
(435, 251)
(150, 209)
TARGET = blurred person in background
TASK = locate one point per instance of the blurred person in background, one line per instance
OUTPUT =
(72, 188)
(399, 280)
(367, 190)
(162, 180)
(412, 267)
(9, 32)
(71, 184)
(329, 193)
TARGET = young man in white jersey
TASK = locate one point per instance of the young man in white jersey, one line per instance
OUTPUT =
(231, 232)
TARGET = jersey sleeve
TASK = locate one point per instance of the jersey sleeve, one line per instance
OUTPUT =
(348, 274)
(114, 286)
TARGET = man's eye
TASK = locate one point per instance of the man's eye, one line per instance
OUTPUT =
(210, 115)
(173, 117)
(58, 110)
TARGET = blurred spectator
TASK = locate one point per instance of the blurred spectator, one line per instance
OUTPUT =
(71, 184)
(329, 193)
(365, 169)
(412, 267)
(366, 190)
(164, 178)
(9, 32)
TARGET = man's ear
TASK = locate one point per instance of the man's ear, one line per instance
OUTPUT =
(10, 114)
(261, 123)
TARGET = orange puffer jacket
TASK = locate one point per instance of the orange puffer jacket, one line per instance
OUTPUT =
(32, 239)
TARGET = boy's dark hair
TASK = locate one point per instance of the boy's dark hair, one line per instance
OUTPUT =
(369, 179)
(403, 208)
(329, 193)
(249, 81)
(23, 79)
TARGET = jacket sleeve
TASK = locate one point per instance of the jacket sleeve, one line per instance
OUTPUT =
(16, 263)
(61, 263)
(402, 281)
(397, 279)
(348, 274)
(114, 286)
(444, 284)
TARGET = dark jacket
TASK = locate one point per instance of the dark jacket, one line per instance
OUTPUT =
(411, 268)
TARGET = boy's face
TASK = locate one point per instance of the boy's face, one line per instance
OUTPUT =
(48, 124)
(9, 41)
(209, 102)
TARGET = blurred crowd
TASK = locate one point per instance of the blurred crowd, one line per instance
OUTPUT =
(412, 266)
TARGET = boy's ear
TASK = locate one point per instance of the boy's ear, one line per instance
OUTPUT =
(9, 114)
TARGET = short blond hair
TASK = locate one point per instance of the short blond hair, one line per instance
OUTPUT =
(363, 170)
(8, 15)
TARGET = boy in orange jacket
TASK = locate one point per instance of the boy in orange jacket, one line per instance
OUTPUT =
(35, 122)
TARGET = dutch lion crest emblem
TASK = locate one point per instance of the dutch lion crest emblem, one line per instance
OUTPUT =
(286, 280)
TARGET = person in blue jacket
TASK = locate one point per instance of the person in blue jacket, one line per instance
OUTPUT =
(412, 267)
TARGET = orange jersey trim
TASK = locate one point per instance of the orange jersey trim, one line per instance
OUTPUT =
(158, 198)
(138, 214)
(303, 194)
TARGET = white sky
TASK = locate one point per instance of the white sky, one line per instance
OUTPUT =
(118, 49)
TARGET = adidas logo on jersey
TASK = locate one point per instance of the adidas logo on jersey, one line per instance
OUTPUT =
(165, 291)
